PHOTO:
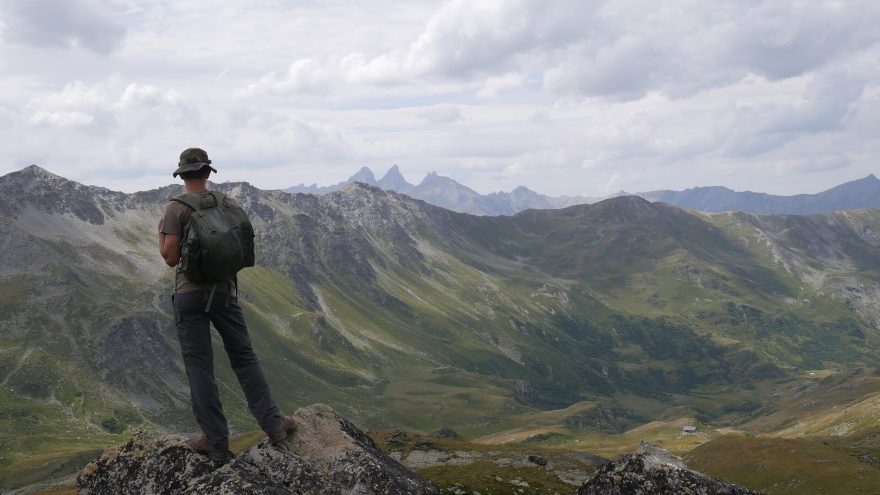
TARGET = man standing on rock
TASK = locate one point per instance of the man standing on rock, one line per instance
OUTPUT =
(206, 292)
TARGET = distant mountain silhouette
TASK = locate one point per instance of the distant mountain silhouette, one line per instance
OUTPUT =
(446, 192)
(862, 193)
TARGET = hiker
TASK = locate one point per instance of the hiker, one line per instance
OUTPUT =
(205, 292)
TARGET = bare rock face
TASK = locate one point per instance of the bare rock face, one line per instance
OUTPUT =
(326, 455)
(652, 470)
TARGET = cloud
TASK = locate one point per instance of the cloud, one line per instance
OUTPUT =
(824, 105)
(144, 95)
(90, 24)
(140, 128)
(815, 104)
(627, 68)
(103, 103)
(443, 114)
(461, 40)
(61, 119)
(495, 85)
(679, 48)
(558, 96)
(819, 165)
(618, 50)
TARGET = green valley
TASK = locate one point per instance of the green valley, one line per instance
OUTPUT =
(584, 329)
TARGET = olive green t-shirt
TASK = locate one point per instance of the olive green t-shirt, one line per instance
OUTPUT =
(176, 216)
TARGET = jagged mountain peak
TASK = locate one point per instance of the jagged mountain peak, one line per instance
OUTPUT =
(365, 174)
(36, 187)
(394, 180)
(35, 169)
(448, 193)
(393, 172)
(34, 172)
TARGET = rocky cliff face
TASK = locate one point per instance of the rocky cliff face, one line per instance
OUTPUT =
(326, 455)
(652, 470)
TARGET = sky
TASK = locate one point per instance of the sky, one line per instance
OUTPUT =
(566, 97)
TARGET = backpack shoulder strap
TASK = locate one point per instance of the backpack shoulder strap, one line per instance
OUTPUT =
(188, 200)
(219, 198)
(198, 203)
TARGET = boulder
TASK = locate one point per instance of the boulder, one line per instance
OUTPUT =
(651, 470)
(446, 432)
(326, 455)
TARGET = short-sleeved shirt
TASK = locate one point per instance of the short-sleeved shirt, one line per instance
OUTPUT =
(177, 216)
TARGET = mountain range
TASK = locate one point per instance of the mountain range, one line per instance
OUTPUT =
(447, 193)
(861, 193)
(399, 313)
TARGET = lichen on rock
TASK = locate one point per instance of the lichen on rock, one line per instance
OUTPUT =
(651, 470)
(326, 455)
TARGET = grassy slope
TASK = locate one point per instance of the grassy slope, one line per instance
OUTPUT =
(785, 465)
(677, 328)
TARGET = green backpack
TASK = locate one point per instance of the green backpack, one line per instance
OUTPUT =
(218, 241)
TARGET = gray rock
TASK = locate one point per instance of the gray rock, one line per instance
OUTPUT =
(651, 470)
(536, 459)
(326, 455)
(446, 432)
(398, 437)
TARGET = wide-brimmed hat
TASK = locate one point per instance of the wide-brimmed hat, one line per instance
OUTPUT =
(191, 160)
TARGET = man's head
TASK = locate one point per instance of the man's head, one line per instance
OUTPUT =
(194, 164)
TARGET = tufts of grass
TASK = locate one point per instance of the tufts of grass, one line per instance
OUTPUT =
(487, 477)
(782, 466)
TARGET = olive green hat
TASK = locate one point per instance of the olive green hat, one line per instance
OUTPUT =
(191, 160)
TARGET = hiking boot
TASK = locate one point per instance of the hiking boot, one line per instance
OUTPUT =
(200, 444)
(285, 428)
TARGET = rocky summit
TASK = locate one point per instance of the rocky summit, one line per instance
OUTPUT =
(651, 470)
(326, 455)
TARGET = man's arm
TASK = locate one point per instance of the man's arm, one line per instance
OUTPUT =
(169, 246)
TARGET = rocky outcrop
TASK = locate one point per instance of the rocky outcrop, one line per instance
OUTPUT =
(326, 455)
(652, 470)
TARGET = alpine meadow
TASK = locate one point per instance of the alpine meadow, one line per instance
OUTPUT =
(584, 329)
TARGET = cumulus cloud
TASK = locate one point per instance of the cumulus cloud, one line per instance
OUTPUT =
(679, 48)
(565, 97)
(89, 24)
(144, 95)
(461, 40)
(103, 102)
(620, 50)
(141, 128)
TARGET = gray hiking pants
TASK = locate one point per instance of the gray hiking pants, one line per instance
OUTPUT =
(194, 333)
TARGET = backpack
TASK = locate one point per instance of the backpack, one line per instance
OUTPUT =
(218, 241)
